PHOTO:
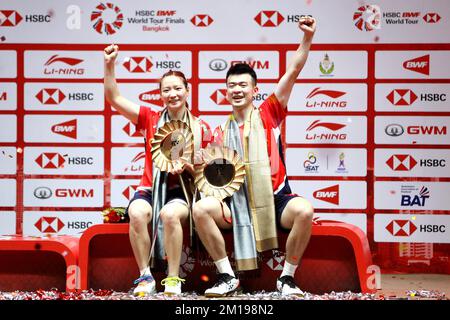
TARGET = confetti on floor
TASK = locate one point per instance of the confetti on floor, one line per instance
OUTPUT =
(113, 295)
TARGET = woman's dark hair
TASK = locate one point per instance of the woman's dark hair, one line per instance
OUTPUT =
(176, 74)
(241, 68)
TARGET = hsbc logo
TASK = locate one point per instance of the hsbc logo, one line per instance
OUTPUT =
(138, 64)
(131, 131)
(50, 160)
(326, 136)
(329, 194)
(152, 97)
(419, 65)
(219, 97)
(431, 17)
(332, 94)
(50, 96)
(67, 129)
(202, 20)
(68, 69)
(401, 228)
(269, 19)
(401, 162)
(49, 224)
(402, 97)
(129, 191)
(9, 18)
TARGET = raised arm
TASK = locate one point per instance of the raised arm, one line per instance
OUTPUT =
(127, 108)
(283, 91)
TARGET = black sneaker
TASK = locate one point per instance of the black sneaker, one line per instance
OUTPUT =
(226, 285)
(287, 286)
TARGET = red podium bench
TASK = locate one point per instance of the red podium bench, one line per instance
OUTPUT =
(29, 263)
(337, 259)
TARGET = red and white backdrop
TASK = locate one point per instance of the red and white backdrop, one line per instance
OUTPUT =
(367, 133)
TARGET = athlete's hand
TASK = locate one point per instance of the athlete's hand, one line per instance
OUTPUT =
(110, 53)
(308, 25)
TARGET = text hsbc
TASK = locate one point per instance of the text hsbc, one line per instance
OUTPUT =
(81, 96)
(74, 193)
(37, 18)
(432, 228)
(431, 130)
(78, 224)
(433, 97)
(80, 160)
(432, 163)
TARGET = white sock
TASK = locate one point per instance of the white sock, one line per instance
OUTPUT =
(224, 266)
(288, 269)
(146, 271)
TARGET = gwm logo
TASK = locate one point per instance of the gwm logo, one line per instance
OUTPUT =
(107, 18)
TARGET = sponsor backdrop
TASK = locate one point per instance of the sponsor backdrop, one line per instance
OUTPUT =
(367, 133)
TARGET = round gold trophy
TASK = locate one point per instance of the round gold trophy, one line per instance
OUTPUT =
(221, 174)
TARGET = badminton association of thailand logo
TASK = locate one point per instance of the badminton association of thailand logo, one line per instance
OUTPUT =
(107, 18)
(367, 17)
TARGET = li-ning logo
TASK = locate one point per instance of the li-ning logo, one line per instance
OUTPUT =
(201, 20)
(325, 103)
(101, 23)
(401, 97)
(134, 166)
(394, 130)
(269, 18)
(9, 18)
(50, 160)
(328, 125)
(367, 18)
(49, 225)
(218, 64)
(401, 162)
(65, 60)
(401, 228)
(50, 96)
(63, 70)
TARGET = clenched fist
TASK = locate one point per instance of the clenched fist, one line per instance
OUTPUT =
(110, 53)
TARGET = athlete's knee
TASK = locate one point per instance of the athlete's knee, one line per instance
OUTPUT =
(139, 215)
(304, 211)
(203, 209)
(169, 217)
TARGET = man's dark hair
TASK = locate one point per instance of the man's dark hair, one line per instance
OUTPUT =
(242, 68)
